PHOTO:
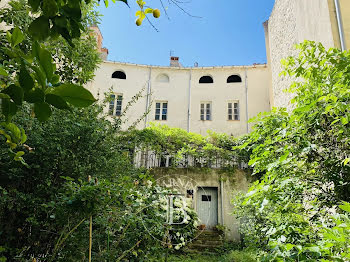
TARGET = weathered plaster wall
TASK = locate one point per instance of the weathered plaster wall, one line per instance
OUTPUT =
(176, 93)
(292, 22)
(233, 183)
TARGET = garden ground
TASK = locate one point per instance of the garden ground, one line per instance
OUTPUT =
(232, 256)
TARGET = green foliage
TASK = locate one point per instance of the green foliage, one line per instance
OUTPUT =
(301, 157)
(78, 168)
(29, 70)
(38, 59)
(176, 142)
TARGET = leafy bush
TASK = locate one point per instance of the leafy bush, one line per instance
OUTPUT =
(77, 168)
(302, 162)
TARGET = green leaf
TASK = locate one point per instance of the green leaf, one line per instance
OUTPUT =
(34, 4)
(34, 96)
(55, 79)
(346, 161)
(56, 101)
(149, 11)
(15, 92)
(46, 63)
(344, 120)
(36, 49)
(50, 8)
(24, 136)
(25, 80)
(74, 94)
(125, 1)
(42, 111)
(18, 155)
(40, 28)
(40, 76)
(3, 71)
(75, 30)
(9, 109)
(17, 37)
(15, 132)
(4, 96)
(345, 207)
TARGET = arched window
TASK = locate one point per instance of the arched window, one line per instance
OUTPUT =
(206, 80)
(163, 78)
(119, 75)
(234, 79)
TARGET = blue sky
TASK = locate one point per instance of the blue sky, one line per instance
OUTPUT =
(229, 32)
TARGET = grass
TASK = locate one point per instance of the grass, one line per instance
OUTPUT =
(232, 256)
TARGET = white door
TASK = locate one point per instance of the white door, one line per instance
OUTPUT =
(207, 206)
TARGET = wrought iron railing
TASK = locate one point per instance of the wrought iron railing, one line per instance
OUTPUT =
(151, 159)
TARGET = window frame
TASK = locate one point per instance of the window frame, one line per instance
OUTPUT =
(159, 111)
(233, 111)
(206, 111)
(114, 103)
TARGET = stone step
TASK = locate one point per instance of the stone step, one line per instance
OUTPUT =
(206, 241)
(212, 242)
(201, 247)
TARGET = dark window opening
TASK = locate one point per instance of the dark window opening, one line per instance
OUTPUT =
(162, 162)
(206, 80)
(189, 192)
(234, 79)
(119, 75)
(206, 198)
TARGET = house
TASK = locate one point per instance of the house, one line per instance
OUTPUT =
(221, 99)
(292, 22)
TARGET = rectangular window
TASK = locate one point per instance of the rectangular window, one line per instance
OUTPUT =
(118, 108)
(233, 110)
(205, 111)
(206, 198)
(111, 105)
(161, 111)
(115, 105)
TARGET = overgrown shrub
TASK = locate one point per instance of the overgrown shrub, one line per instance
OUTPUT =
(302, 159)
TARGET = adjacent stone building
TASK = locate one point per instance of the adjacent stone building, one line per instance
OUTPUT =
(292, 22)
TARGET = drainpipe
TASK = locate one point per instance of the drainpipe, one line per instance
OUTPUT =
(340, 25)
(189, 103)
(246, 98)
(148, 96)
(222, 201)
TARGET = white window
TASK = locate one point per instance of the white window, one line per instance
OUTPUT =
(233, 110)
(205, 111)
(161, 111)
(115, 105)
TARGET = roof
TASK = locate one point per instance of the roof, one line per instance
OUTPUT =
(186, 68)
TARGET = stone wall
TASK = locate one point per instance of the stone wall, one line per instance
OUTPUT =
(290, 23)
(229, 184)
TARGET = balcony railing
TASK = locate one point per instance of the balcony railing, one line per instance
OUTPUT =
(151, 159)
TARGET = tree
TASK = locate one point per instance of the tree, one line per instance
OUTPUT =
(30, 72)
(44, 209)
(303, 160)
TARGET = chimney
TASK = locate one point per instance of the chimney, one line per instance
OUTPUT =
(174, 61)
(98, 36)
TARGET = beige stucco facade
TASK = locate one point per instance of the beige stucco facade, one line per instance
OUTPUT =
(292, 22)
(184, 94)
(228, 185)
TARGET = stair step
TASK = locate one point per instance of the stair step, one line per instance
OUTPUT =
(209, 242)
(198, 246)
(206, 241)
